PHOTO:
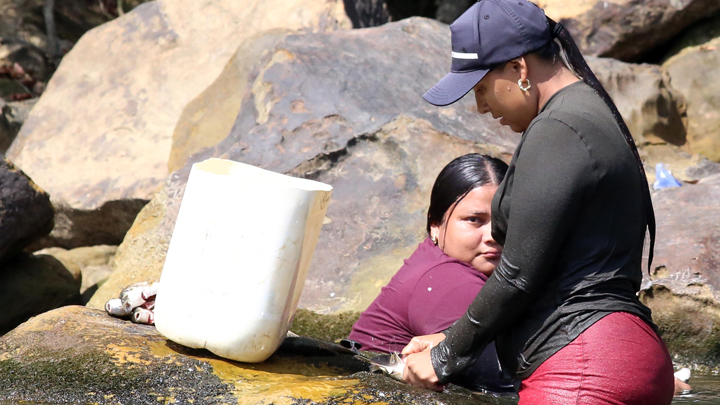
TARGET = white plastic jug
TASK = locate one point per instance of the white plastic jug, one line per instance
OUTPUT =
(238, 258)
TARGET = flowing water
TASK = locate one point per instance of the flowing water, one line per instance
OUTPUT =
(706, 390)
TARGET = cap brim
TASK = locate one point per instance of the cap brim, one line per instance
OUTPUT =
(453, 87)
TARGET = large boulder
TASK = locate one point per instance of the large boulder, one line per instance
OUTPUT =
(129, 81)
(626, 29)
(684, 287)
(355, 119)
(79, 355)
(33, 284)
(25, 211)
(695, 72)
(373, 138)
(622, 29)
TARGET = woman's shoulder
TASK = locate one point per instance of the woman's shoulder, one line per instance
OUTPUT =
(429, 257)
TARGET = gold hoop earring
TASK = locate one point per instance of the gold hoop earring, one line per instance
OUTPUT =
(434, 240)
(521, 85)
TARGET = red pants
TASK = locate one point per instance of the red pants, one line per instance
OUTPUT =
(619, 360)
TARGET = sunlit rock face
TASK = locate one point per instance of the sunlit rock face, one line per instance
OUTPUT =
(344, 108)
(694, 72)
(99, 138)
(79, 355)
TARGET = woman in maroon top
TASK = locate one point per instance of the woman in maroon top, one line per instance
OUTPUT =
(442, 277)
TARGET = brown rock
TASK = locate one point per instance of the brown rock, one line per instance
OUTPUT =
(683, 293)
(25, 211)
(698, 34)
(695, 72)
(93, 262)
(653, 110)
(76, 227)
(684, 166)
(146, 66)
(625, 29)
(359, 111)
(31, 285)
(79, 355)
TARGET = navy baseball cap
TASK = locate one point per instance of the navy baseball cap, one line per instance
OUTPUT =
(489, 33)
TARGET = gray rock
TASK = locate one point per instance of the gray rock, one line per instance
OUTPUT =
(684, 291)
(626, 30)
(129, 80)
(317, 113)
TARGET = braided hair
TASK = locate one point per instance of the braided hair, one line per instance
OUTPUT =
(579, 66)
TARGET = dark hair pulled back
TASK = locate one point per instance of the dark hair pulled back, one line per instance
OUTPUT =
(458, 178)
(580, 67)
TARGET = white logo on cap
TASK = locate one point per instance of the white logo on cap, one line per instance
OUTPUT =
(459, 55)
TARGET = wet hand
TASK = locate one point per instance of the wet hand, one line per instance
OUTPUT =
(419, 371)
(422, 343)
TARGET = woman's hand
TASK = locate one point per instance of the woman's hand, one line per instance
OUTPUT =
(422, 343)
(420, 372)
(418, 367)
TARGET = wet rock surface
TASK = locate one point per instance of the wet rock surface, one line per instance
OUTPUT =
(75, 354)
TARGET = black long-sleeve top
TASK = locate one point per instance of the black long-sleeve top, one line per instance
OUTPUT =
(571, 220)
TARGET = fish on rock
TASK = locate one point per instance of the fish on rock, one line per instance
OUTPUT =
(115, 307)
(142, 315)
(392, 364)
(136, 301)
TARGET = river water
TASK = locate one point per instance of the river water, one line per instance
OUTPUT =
(706, 390)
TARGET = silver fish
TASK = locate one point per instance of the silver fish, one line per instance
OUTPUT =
(115, 307)
(392, 364)
(142, 315)
(138, 294)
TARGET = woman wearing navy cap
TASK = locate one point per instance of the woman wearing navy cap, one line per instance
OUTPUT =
(571, 215)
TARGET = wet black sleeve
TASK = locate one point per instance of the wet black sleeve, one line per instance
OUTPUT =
(554, 172)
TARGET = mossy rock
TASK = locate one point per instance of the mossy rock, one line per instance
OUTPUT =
(323, 327)
(689, 325)
(79, 355)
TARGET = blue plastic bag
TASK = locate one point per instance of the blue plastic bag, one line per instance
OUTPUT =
(664, 178)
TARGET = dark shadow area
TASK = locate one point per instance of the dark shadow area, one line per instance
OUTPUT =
(697, 34)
